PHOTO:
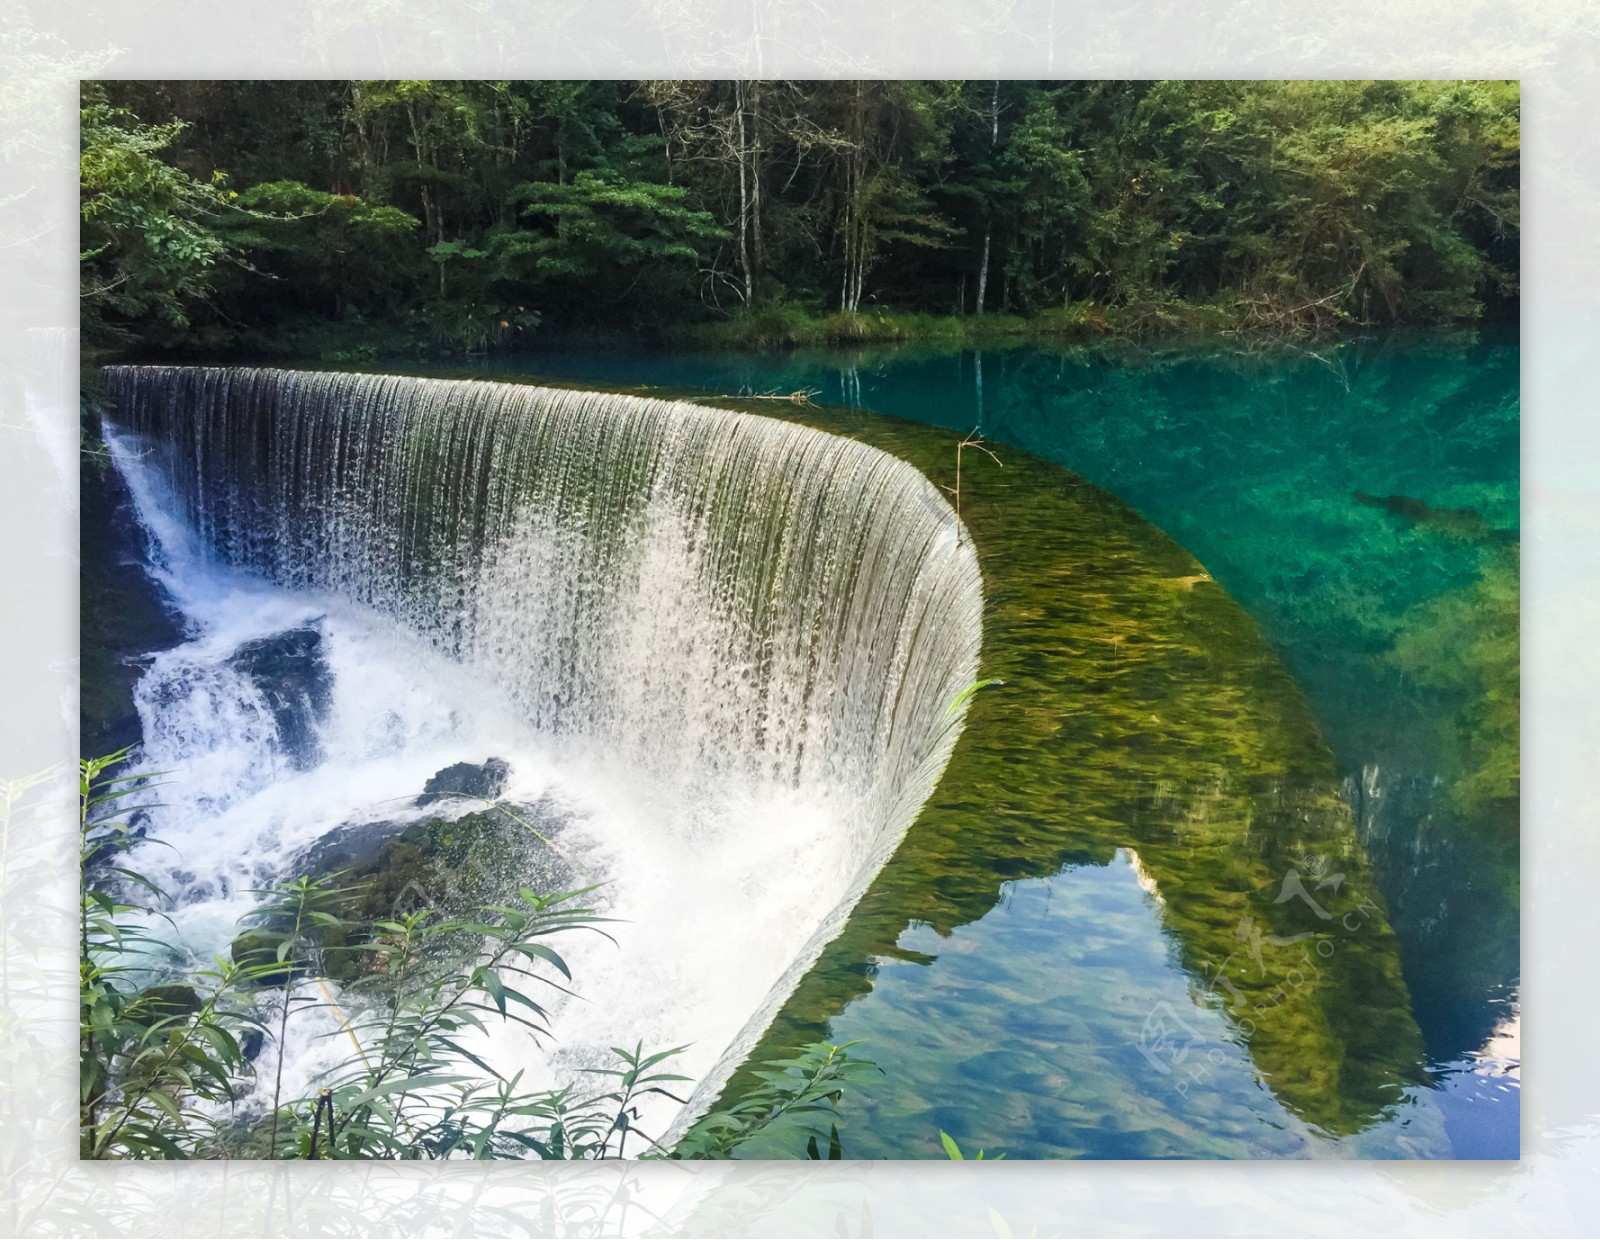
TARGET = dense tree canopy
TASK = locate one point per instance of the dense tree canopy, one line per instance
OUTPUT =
(466, 215)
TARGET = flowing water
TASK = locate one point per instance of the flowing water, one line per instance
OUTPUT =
(724, 648)
(1361, 502)
(1168, 900)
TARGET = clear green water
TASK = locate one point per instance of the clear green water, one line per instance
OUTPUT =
(1081, 949)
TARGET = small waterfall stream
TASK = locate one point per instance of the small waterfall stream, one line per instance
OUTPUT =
(724, 646)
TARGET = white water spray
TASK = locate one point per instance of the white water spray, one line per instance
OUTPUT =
(725, 645)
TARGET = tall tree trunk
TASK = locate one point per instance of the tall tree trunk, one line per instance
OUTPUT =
(742, 159)
(983, 269)
(432, 224)
(847, 301)
(988, 231)
(666, 140)
(755, 188)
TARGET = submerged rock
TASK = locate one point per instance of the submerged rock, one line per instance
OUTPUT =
(466, 779)
(1466, 524)
(291, 672)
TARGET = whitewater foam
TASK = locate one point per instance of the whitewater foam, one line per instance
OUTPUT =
(725, 646)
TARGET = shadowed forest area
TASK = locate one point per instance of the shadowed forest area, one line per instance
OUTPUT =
(345, 220)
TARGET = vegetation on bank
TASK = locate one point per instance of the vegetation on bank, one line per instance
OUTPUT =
(173, 1054)
(347, 219)
(786, 325)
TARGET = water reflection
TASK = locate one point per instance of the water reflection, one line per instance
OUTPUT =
(1219, 977)
(1361, 501)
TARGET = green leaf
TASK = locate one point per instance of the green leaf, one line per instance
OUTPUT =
(404, 1085)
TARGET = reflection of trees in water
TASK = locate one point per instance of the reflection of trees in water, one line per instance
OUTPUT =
(1443, 831)
(1140, 708)
(1398, 612)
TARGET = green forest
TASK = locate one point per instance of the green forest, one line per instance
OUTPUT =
(341, 220)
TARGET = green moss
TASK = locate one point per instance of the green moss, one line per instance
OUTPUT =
(258, 949)
(163, 1003)
(454, 866)
(1141, 710)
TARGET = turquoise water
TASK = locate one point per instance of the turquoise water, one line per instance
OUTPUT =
(1361, 502)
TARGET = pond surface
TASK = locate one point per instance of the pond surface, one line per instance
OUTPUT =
(1361, 503)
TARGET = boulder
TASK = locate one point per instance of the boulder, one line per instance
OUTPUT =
(467, 779)
(385, 870)
(124, 616)
(256, 948)
(452, 864)
(168, 1002)
(350, 845)
(291, 672)
(455, 865)
(356, 845)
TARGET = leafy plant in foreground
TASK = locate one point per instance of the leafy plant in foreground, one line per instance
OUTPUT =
(952, 1151)
(801, 1093)
(165, 1072)
(152, 1060)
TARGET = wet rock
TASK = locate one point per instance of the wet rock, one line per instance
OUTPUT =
(386, 870)
(454, 865)
(158, 1003)
(258, 948)
(292, 674)
(352, 845)
(250, 1044)
(467, 779)
(124, 616)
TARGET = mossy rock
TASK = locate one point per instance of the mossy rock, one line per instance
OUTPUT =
(354, 846)
(385, 870)
(172, 1001)
(480, 781)
(332, 951)
(258, 948)
(456, 864)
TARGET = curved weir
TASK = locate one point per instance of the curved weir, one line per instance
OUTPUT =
(751, 631)
(1134, 919)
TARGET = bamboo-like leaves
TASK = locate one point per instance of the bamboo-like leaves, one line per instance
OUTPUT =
(161, 1067)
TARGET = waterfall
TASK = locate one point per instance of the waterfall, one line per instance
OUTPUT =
(735, 641)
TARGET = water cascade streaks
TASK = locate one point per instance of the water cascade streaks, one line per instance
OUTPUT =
(729, 608)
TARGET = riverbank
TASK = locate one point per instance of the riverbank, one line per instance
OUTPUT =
(780, 326)
(785, 325)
